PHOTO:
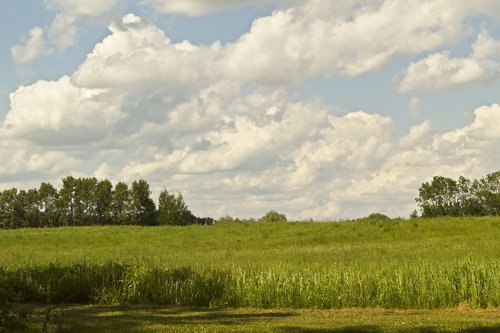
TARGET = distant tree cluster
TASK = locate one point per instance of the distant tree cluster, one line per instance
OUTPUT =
(462, 197)
(87, 201)
(271, 216)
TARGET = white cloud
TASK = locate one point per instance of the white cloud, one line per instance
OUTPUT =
(63, 31)
(439, 71)
(196, 118)
(297, 44)
(417, 134)
(68, 112)
(135, 44)
(30, 48)
(290, 45)
(77, 7)
(200, 7)
(27, 161)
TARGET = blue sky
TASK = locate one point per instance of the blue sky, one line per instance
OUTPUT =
(314, 108)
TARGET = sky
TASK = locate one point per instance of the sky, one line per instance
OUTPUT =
(315, 108)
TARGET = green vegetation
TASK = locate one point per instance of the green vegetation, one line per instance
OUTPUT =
(87, 202)
(417, 264)
(147, 319)
(448, 197)
(439, 264)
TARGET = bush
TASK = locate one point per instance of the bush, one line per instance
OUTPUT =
(10, 319)
(378, 216)
(273, 216)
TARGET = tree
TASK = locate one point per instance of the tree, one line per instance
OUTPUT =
(273, 216)
(120, 204)
(438, 198)
(31, 210)
(463, 197)
(172, 210)
(47, 205)
(7, 215)
(85, 201)
(143, 209)
(66, 202)
(489, 194)
(103, 196)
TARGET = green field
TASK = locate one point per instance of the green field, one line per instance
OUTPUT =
(416, 265)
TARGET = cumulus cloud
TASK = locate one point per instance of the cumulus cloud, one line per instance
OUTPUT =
(30, 48)
(291, 45)
(136, 44)
(67, 112)
(439, 71)
(209, 121)
(23, 161)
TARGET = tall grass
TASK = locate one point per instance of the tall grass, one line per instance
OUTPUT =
(419, 286)
(421, 263)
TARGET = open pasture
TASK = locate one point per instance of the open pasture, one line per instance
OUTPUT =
(418, 264)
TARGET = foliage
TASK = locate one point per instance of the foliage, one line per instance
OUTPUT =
(421, 286)
(172, 210)
(377, 216)
(11, 319)
(463, 197)
(273, 216)
(87, 202)
(142, 207)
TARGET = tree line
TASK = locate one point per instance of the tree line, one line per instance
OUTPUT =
(461, 197)
(88, 201)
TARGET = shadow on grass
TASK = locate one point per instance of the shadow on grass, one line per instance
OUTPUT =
(124, 319)
(377, 329)
(146, 319)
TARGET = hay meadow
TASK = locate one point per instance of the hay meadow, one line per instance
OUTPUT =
(417, 264)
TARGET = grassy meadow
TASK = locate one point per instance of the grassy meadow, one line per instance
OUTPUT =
(417, 264)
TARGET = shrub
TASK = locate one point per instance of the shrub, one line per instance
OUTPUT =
(273, 216)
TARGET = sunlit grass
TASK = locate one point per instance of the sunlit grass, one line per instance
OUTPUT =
(121, 319)
(411, 264)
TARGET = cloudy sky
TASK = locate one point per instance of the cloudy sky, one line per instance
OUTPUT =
(315, 108)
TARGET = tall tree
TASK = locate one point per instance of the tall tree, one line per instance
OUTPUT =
(143, 209)
(489, 193)
(47, 201)
(7, 198)
(32, 214)
(120, 204)
(85, 202)
(172, 210)
(438, 198)
(66, 202)
(103, 196)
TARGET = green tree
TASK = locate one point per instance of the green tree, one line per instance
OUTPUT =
(143, 209)
(273, 216)
(31, 209)
(489, 194)
(120, 204)
(7, 215)
(103, 196)
(66, 202)
(172, 210)
(85, 201)
(47, 201)
(439, 198)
